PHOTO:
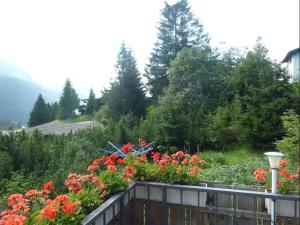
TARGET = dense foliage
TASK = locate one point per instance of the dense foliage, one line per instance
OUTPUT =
(178, 28)
(40, 113)
(201, 99)
(68, 102)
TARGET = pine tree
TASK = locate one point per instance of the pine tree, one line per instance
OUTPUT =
(126, 94)
(68, 102)
(53, 110)
(40, 113)
(91, 104)
(178, 28)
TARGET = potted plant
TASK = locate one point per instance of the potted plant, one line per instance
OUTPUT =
(287, 183)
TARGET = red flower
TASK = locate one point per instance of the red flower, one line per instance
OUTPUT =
(61, 199)
(179, 154)
(283, 163)
(49, 212)
(12, 220)
(194, 159)
(68, 207)
(142, 143)
(175, 162)
(194, 170)
(120, 161)
(111, 168)
(48, 187)
(259, 174)
(114, 156)
(91, 168)
(156, 156)
(14, 199)
(126, 148)
(32, 193)
(6, 212)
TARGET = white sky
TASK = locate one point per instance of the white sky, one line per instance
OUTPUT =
(55, 39)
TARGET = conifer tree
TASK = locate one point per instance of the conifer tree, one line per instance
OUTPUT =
(90, 108)
(126, 94)
(39, 113)
(178, 28)
(68, 102)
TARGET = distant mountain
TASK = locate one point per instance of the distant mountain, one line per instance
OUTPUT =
(18, 92)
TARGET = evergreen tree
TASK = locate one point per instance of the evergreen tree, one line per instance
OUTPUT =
(39, 113)
(265, 94)
(68, 102)
(53, 110)
(126, 94)
(178, 28)
(91, 104)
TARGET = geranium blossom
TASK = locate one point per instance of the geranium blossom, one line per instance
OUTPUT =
(126, 148)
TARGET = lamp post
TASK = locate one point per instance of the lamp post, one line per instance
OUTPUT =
(274, 160)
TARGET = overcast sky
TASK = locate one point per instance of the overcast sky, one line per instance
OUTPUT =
(55, 39)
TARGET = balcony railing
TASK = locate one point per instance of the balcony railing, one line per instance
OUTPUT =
(146, 203)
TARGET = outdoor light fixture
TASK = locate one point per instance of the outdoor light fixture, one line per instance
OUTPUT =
(274, 160)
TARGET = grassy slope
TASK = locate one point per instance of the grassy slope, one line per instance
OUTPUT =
(233, 167)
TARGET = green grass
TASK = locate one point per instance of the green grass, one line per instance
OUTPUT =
(234, 166)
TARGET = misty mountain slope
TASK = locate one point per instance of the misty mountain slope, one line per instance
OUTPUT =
(18, 93)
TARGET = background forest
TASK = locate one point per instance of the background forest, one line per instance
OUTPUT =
(195, 98)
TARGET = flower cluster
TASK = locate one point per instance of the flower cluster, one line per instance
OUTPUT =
(105, 175)
(287, 181)
(61, 202)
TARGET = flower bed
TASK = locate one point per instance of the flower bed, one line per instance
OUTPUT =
(111, 174)
(106, 175)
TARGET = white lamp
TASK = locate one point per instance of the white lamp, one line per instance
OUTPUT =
(274, 160)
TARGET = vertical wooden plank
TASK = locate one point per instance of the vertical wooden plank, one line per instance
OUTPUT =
(198, 217)
(136, 212)
(155, 213)
(177, 215)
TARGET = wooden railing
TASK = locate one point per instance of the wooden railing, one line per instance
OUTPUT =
(146, 203)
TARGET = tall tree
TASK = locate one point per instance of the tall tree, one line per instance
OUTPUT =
(40, 112)
(91, 104)
(126, 94)
(53, 110)
(178, 28)
(265, 94)
(68, 102)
